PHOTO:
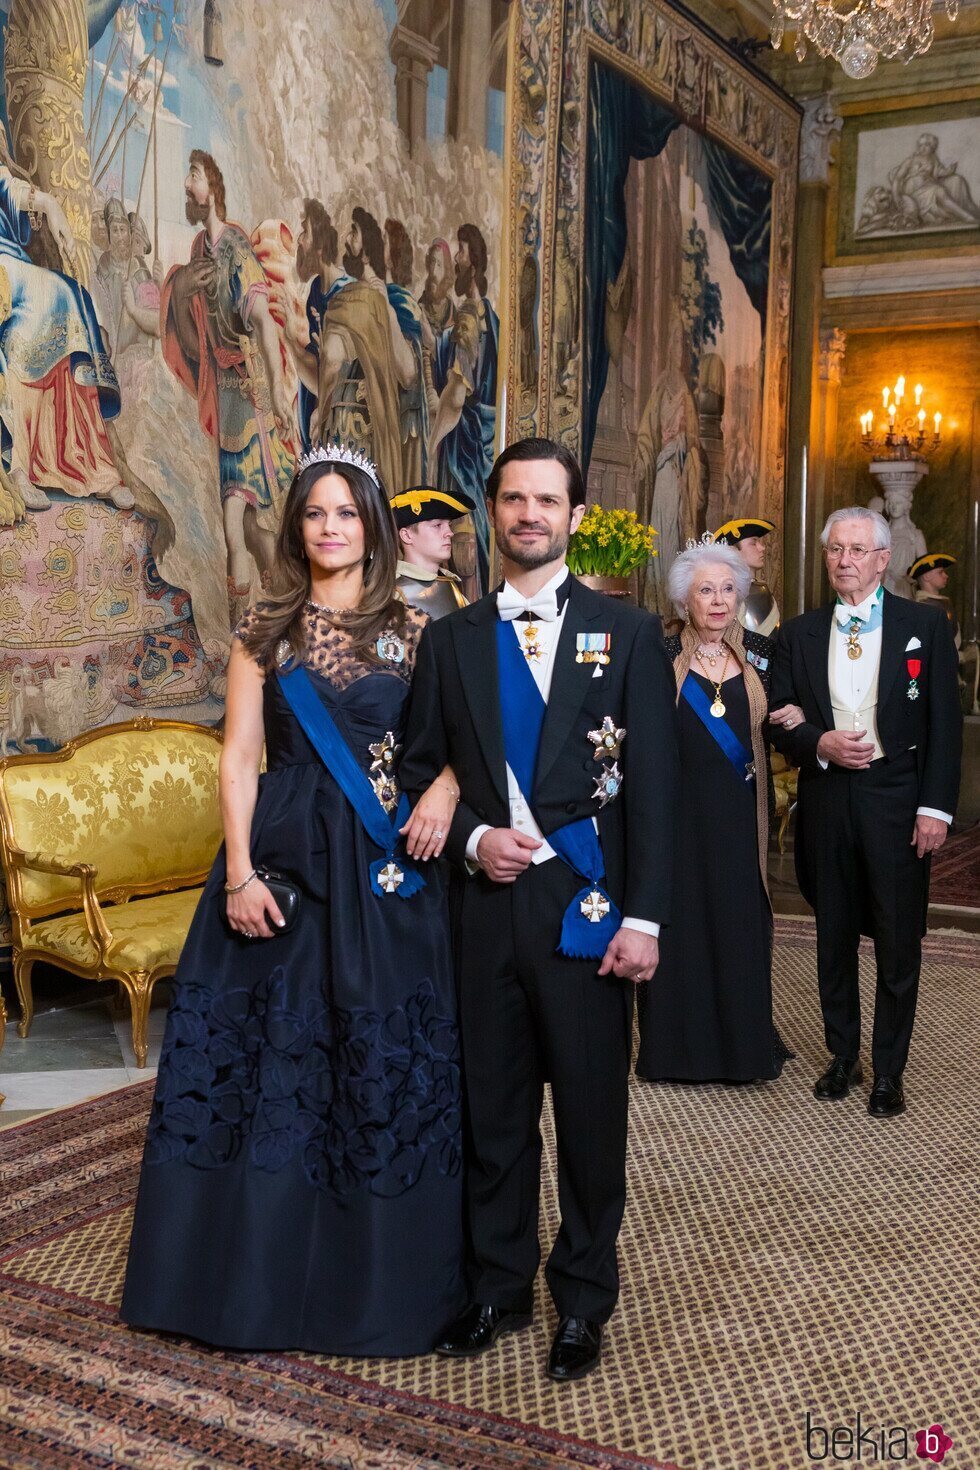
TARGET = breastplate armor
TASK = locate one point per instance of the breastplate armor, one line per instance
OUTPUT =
(437, 598)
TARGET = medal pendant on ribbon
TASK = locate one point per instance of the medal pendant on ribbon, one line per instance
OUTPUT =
(391, 877)
(854, 650)
(595, 907)
(853, 646)
(717, 708)
(530, 646)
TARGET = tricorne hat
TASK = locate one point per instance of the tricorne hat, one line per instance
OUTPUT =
(732, 532)
(931, 562)
(423, 503)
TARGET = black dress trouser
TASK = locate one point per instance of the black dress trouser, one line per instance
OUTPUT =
(856, 832)
(526, 1014)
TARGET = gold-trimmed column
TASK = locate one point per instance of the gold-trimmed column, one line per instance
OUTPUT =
(823, 452)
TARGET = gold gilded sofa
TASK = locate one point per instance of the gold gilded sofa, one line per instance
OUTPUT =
(105, 845)
(784, 778)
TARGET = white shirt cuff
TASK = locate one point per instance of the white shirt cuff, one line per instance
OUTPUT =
(474, 843)
(643, 926)
(930, 811)
(822, 763)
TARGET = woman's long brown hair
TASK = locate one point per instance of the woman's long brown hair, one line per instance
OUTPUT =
(280, 615)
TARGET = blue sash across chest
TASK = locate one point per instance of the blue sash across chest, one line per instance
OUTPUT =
(317, 724)
(719, 729)
(591, 919)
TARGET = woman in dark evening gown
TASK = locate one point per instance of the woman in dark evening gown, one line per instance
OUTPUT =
(707, 1014)
(301, 1184)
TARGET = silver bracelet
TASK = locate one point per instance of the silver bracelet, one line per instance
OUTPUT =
(239, 886)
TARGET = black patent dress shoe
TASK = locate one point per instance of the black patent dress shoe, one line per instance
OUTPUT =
(576, 1349)
(887, 1099)
(478, 1329)
(836, 1082)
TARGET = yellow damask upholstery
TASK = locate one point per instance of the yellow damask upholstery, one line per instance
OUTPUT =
(146, 933)
(95, 839)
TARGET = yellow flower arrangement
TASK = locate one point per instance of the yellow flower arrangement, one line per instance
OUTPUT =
(610, 543)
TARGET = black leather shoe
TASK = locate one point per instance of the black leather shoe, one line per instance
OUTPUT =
(478, 1329)
(576, 1349)
(836, 1082)
(887, 1099)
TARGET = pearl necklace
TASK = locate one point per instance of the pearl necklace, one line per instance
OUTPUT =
(712, 655)
(333, 612)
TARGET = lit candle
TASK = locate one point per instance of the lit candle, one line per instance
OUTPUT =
(937, 419)
(900, 387)
(891, 412)
(918, 394)
(884, 397)
(922, 417)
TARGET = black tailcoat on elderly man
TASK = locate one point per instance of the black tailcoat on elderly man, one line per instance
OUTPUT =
(879, 754)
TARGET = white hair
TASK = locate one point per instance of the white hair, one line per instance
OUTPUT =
(684, 568)
(882, 531)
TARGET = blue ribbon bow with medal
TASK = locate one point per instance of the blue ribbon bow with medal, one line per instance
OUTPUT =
(591, 919)
(387, 875)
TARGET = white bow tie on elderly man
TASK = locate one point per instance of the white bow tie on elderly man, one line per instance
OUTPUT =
(543, 606)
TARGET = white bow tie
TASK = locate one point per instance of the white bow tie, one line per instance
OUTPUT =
(543, 605)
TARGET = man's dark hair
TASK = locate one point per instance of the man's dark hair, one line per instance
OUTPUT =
(322, 233)
(400, 251)
(527, 449)
(372, 240)
(215, 178)
(470, 236)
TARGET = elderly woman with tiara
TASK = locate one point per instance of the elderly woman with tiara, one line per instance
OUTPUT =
(301, 1179)
(707, 1017)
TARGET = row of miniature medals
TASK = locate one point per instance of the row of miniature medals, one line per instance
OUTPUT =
(593, 648)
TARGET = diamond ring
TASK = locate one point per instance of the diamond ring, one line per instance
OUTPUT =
(440, 834)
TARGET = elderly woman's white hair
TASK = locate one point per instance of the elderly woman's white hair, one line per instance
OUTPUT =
(882, 538)
(684, 569)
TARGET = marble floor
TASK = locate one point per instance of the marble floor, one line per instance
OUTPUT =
(77, 1049)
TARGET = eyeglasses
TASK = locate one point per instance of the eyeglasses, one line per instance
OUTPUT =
(857, 553)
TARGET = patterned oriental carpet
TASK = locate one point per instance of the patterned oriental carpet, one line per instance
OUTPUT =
(955, 875)
(780, 1258)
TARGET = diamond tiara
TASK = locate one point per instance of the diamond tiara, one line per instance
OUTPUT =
(706, 540)
(339, 454)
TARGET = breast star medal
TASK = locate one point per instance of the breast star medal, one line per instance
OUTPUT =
(853, 641)
(385, 754)
(530, 647)
(390, 877)
(607, 784)
(595, 907)
(607, 740)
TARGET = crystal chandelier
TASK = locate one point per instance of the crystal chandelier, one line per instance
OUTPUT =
(857, 34)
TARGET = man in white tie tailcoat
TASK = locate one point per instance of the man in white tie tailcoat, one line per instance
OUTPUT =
(555, 708)
(879, 750)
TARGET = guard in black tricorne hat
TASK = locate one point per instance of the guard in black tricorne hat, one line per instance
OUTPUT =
(424, 518)
(930, 575)
(759, 612)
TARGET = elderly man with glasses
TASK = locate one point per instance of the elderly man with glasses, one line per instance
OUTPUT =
(879, 754)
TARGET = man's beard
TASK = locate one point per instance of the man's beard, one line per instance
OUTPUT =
(306, 262)
(465, 276)
(529, 560)
(195, 214)
(354, 265)
(435, 292)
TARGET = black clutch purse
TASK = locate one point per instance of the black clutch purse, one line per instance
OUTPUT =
(286, 895)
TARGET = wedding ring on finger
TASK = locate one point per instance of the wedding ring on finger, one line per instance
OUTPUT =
(440, 835)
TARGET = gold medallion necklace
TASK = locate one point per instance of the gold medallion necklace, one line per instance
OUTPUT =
(718, 704)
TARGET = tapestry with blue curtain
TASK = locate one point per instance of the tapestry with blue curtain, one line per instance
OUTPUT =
(624, 123)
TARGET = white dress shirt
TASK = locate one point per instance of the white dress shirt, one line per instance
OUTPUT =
(542, 668)
(855, 678)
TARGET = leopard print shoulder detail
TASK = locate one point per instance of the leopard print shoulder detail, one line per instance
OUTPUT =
(329, 651)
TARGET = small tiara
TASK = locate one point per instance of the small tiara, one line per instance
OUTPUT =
(339, 454)
(706, 540)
